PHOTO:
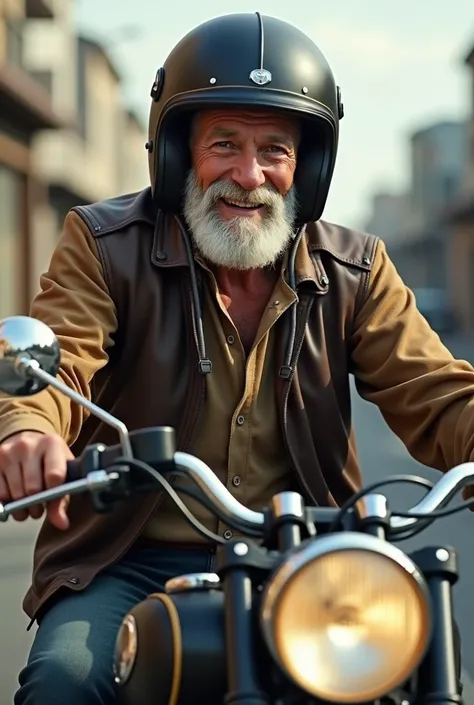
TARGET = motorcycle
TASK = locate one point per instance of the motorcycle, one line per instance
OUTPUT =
(307, 604)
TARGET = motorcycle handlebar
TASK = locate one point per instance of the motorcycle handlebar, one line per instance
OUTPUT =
(207, 481)
(219, 496)
(151, 449)
(155, 447)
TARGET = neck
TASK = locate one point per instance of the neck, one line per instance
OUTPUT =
(249, 281)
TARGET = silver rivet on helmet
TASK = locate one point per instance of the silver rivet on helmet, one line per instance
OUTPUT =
(213, 80)
(304, 89)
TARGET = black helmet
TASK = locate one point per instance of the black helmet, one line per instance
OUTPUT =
(253, 61)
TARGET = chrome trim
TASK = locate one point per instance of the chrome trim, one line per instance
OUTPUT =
(193, 581)
(216, 492)
(287, 504)
(260, 76)
(438, 497)
(96, 480)
(124, 658)
(31, 368)
(372, 506)
(30, 357)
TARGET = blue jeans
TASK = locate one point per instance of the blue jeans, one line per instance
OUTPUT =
(71, 659)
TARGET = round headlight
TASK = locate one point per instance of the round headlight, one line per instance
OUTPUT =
(347, 617)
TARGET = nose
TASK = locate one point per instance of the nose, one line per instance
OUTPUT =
(248, 173)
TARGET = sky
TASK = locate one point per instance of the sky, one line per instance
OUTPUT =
(400, 66)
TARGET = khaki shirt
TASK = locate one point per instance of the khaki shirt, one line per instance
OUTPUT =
(239, 437)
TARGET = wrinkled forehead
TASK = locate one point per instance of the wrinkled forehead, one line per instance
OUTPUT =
(228, 122)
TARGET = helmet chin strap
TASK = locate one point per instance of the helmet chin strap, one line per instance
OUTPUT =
(286, 371)
(205, 364)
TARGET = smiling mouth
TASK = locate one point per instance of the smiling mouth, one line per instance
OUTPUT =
(242, 205)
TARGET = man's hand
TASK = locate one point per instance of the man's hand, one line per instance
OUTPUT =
(31, 462)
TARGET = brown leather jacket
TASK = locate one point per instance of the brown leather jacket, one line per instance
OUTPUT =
(345, 322)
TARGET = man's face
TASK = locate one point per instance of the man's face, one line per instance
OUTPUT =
(240, 203)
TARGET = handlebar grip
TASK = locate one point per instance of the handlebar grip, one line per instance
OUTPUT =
(73, 471)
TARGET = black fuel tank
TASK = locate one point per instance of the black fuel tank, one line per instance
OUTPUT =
(176, 650)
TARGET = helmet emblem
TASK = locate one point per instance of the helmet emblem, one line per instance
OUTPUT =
(260, 76)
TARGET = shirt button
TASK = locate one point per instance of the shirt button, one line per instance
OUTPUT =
(227, 534)
(236, 480)
(240, 420)
(230, 339)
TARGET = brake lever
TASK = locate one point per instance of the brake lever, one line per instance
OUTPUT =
(96, 483)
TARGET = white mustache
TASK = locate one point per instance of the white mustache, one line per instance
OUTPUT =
(261, 196)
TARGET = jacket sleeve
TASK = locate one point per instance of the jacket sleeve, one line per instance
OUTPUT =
(401, 365)
(74, 301)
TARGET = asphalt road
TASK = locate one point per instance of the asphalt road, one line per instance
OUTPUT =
(381, 454)
(16, 546)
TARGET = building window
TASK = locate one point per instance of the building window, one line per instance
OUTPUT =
(449, 189)
(14, 42)
(45, 79)
(11, 242)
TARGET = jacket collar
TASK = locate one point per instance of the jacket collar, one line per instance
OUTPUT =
(169, 251)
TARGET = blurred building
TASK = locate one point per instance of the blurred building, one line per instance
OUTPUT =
(87, 145)
(388, 217)
(102, 153)
(439, 159)
(134, 173)
(26, 108)
(461, 219)
(412, 224)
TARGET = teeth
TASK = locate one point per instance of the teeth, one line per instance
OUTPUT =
(239, 204)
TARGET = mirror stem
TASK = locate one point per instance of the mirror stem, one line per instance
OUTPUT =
(31, 368)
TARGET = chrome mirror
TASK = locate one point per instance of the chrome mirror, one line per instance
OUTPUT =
(29, 362)
(26, 343)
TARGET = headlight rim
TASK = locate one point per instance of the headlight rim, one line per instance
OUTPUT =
(298, 558)
(124, 664)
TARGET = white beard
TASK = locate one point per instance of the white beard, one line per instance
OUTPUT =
(239, 243)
